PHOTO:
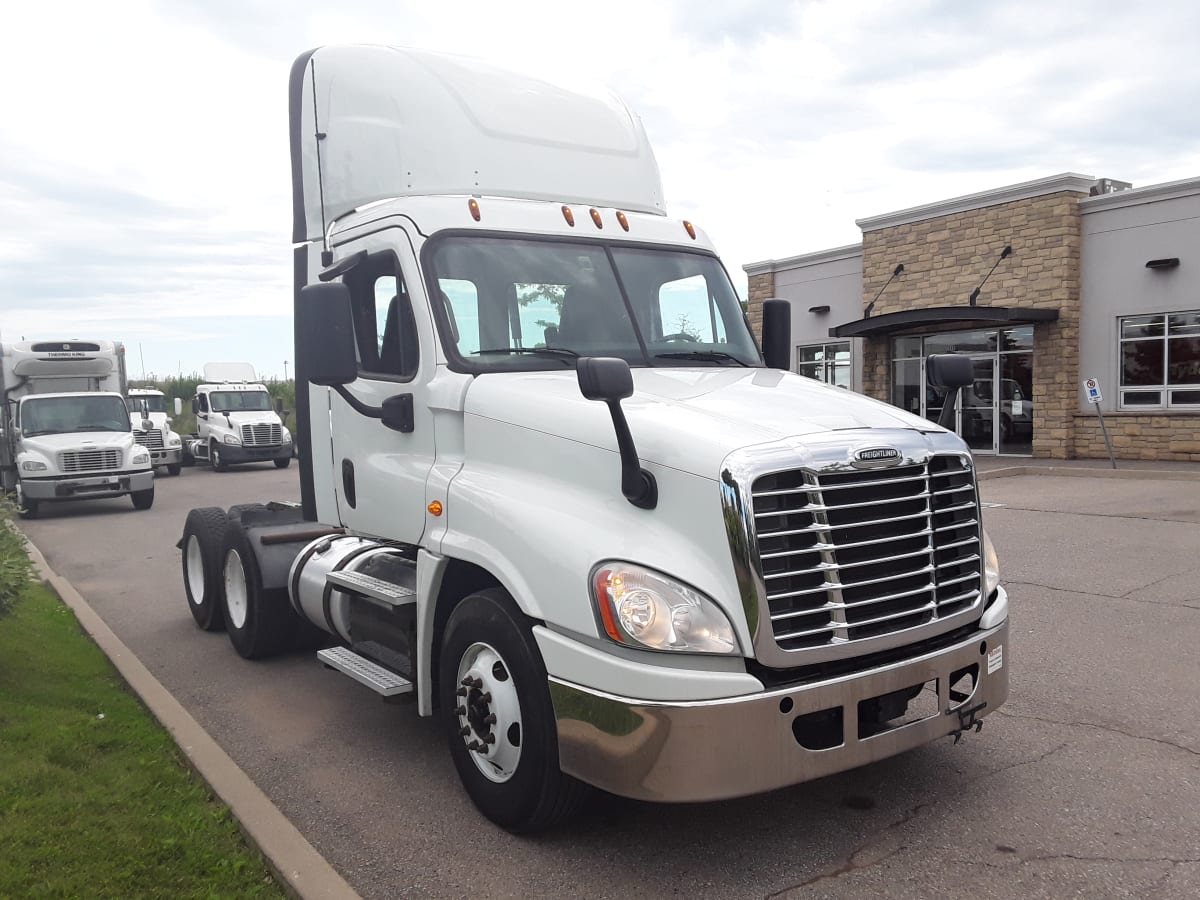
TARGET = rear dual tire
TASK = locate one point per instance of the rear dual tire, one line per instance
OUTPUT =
(260, 621)
(202, 534)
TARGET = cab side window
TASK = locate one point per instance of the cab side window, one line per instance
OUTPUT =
(385, 330)
(203, 398)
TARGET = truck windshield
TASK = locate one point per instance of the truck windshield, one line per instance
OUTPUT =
(66, 415)
(528, 304)
(154, 403)
(239, 401)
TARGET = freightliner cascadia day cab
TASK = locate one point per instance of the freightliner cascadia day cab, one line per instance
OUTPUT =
(152, 427)
(550, 487)
(236, 421)
(66, 432)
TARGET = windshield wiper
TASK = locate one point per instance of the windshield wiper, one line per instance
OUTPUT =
(43, 431)
(703, 355)
(557, 352)
(97, 428)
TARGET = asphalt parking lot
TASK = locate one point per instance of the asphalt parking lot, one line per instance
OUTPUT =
(1086, 783)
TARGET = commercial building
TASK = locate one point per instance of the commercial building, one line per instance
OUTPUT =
(1042, 284)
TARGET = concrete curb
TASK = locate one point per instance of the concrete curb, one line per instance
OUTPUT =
(301, 870)
(1081, 472)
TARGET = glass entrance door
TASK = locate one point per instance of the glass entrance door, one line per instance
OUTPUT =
(977, 406)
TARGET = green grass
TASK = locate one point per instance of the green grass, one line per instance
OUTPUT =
(95, 800)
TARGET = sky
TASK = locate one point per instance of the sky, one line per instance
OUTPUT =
(144, 170)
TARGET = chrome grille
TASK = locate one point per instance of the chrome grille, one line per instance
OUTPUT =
(152, 439)
(851, 555)
(89, 460)
(262, 434)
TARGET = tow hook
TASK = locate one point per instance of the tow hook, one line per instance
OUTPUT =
(967, 719)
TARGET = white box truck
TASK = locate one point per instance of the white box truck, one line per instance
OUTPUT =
(551, 487)
(152, 427)
(66, 431)
(236, 421)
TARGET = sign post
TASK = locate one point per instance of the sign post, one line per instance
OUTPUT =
(1092, 387)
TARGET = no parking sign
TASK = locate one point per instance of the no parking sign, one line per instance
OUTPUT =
(1092, 387)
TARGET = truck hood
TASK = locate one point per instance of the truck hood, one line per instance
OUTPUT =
(246, 417)
(157, 420)
(688, 419)
(50, 444)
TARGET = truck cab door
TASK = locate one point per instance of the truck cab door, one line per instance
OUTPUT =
(379, 472)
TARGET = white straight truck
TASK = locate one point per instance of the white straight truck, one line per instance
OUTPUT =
(152, 427)
(235, 420)
(66, 431)
(551, 487)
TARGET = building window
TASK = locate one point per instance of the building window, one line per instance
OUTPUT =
(1160, 361)
(829, 363)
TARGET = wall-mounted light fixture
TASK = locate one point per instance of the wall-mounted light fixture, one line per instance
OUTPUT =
(819, 310)
(1004, 254)
(1171, 262)
(870, 306)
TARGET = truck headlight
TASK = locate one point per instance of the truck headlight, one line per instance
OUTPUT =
(231, 439)
(33, 465)
(173, 440)
(287, 436)
(991, 567)
(643, 608)
(140, 457)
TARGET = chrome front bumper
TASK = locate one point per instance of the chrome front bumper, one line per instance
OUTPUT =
(715, 749)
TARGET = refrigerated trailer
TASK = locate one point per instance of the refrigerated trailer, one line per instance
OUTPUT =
(551, 487)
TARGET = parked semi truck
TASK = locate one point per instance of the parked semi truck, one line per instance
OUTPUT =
(152, 427)
(551, 487)
(236, 421)
(66, 431)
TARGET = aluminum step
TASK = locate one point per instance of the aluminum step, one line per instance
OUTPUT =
(382, 681)
(385, 592)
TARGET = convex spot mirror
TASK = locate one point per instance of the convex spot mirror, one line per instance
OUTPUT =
(948, 370)
(325, 335)
(604, 378)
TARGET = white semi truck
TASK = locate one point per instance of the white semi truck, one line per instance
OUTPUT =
(152, 427)
(236, 421)
(551, 487)
(66, 431)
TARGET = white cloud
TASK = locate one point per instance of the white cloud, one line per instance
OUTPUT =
(144, 167)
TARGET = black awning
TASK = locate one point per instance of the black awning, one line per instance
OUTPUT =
(965, 316)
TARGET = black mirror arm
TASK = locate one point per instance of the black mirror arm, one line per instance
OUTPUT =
(637, 484)
(946, 416)
(371, 412)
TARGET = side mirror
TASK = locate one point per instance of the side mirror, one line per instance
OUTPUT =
(325, 348)
(604, 378)
(609, 380)
(279, 405)
(952, 373)
(777, 334)
(178, 406)
(195, 406)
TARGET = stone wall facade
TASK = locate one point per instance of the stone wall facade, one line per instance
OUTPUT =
(1139, 436)
(946, 257)
(761, 287)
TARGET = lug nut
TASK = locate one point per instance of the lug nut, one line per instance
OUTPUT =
(489, 738)
(464, 731)
(474, 745)
(485, 697)
(461, 692)
(467, 682)
(460, 710)
(489, 719)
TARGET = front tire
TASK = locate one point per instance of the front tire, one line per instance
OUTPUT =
(202, 534)
(216, 458)
(283, 463)
(498, 717)
(174, 468)
(260, 621)
(27, 507)
(142, 499)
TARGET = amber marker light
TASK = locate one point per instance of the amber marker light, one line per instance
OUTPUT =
(690, 229)
(435, 508)
(569, 216)
(596, 218)
(606, 582)
(623, 220)
(473, 205)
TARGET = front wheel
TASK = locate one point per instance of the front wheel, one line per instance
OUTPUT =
(216, 458)
(283, 463)
(27, 507)
(142, 499)
(174, 468)
(499, 720)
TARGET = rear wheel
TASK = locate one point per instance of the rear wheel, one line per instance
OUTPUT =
(27, 507)
(142, 499)
(202, 534)
(498, 717)
(283, 463)
(260, 621)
